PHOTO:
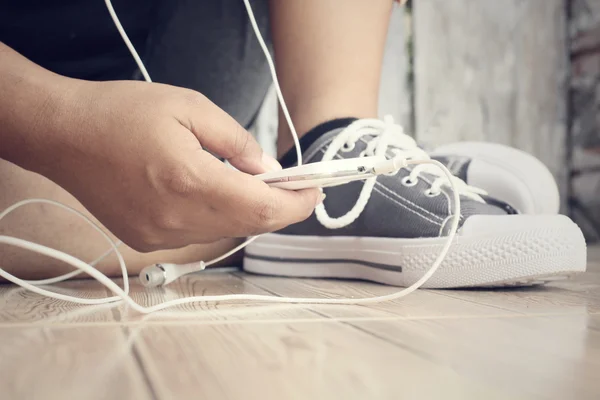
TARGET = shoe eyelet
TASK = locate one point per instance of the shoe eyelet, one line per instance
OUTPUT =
(362, 154)
(406, 181)
(430, 193)
(348, 147)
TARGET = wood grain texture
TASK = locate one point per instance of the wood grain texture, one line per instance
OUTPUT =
(456, 358)
(523, 358)
(56, 363)
(419, 304)
(517, 344)
(292, 361)
(495, 71)
(552, 299)
(208, 283)
(18, 305)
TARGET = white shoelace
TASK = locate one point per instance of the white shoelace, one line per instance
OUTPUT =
(389, 137)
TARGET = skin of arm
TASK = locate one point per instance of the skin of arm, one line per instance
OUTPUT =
(32, 101)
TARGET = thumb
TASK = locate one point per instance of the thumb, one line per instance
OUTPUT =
(219, 133)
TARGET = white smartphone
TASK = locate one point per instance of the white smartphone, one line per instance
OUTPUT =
(328, 173)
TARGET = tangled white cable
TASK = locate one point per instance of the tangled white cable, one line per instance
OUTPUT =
(122, 294)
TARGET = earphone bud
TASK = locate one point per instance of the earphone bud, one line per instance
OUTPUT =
(390, 166)
(163, 274)
(154, 275)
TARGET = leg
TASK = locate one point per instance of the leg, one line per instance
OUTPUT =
(55, 228)
(329, 55)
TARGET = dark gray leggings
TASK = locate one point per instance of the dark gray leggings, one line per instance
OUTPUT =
(209, 46)
(205, 45)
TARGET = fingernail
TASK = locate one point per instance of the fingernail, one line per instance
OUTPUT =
(321, 198)
(270, 163)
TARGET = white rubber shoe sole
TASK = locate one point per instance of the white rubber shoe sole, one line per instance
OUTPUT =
(490, 251)
(508, 174)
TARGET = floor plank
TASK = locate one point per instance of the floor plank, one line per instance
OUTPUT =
(292, 361)
(551, 299)
(541, 343)
(18, 305)
(554, 357)
(68, 362)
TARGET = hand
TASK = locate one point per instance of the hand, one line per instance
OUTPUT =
(135, 155)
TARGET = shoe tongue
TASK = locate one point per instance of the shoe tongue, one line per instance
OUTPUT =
(490, 203)
(459, 167)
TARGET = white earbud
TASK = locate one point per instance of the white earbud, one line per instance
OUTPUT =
(390, 166)
(163, 274)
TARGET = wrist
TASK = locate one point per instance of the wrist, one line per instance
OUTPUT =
(33, 109)
(38, 120)
(54, 125)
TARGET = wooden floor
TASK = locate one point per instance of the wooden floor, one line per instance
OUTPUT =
(539, 343)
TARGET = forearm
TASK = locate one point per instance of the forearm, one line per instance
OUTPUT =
(32, 102)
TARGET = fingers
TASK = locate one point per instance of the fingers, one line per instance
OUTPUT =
(221, 134)
(283, 208)
(259, 208)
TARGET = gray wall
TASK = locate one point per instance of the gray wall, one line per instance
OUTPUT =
(584, 46)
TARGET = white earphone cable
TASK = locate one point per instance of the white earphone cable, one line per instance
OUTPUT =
(59, 255)
(282, 104)
(122, 294)
(130, 45)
